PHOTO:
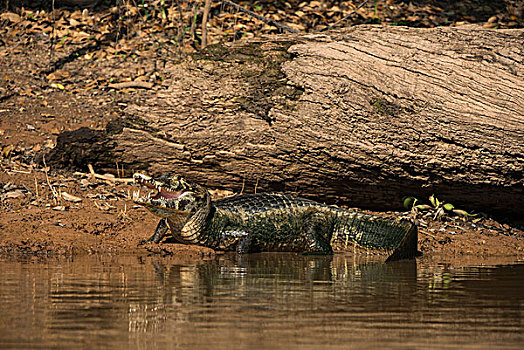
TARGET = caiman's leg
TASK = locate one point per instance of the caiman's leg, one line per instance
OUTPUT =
(317, 243)
(236, 238)
(160, 232)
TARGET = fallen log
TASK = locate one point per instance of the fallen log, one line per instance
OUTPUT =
(364, 116)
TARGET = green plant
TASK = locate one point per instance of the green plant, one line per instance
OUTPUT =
(437, 207)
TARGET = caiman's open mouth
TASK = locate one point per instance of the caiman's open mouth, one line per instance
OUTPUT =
(159, 191)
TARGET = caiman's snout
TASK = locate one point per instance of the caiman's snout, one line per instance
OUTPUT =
(161, 191)
(147, 181)
(139, 178)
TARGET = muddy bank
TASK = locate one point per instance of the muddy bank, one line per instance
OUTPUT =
(49, 214)
(68, 215)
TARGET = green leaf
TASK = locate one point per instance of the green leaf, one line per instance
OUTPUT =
(463, 213)
(433, 200)
(449, 206)
(423, 207)
(409, 202)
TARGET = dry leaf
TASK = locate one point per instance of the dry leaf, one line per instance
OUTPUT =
(14, 194)
(27, 92)
(58, 74)
(59, 208)
(11, 17)
(57, 86)
(73, 22)
(7, 149)
(70, 198)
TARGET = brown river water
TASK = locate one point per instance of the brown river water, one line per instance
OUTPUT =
(260, 301)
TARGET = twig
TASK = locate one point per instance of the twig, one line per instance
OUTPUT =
(91, 169)
(262, 18)
(193, 21)
(19, 171)
(123, 213)
(343, 19)
(53, 191)
(131, 84)
(36, 187)
(52, 41)
(102, 177)
(117, 170)
(207, 7)
(181, 32)
(234, 27)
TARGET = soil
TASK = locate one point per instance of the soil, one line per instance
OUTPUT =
(48, 89)
(36, 221)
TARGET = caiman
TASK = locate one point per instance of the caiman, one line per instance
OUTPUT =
(269, 222)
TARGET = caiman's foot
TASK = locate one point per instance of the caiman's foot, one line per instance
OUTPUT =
(145, 241)
(317, 243)
(244, 245)
(160, 233)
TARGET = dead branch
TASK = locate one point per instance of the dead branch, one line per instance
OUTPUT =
(342, 19)
(262, 18)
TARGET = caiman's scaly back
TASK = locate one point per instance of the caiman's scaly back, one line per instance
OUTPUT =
(270, 222)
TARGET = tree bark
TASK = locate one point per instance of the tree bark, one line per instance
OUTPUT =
(363, 116)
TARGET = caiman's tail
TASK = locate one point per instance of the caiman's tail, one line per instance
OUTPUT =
(363, 233)
(407, 247)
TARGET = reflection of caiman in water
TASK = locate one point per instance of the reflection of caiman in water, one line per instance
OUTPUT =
(271, 276)
(270, 222)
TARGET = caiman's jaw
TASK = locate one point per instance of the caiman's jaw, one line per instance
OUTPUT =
(163, 192)
(170, 195)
